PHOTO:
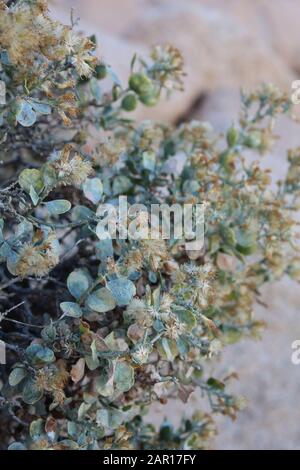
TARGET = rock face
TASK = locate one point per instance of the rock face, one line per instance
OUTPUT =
(276, 23)
(219, 51)
(267, 378)
(226, 45)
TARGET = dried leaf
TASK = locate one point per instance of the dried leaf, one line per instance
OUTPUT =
(77, 371)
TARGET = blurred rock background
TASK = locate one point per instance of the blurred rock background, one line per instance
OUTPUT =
(227, 45)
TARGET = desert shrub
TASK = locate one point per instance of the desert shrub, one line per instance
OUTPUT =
(97, 330)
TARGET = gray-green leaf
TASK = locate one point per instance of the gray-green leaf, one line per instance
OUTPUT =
(34, 196)
(16, 446)
(26, 116)
(36, 429)
(93, 189)
(71, 309)
(121, 184)
(101, 300)
(16, 376)
(39, 107)
(38, 354)
(123, 377)
(110, 418)
(78, 282)
(31, 392)
(122, 289)
(30, 177)
(59, 206)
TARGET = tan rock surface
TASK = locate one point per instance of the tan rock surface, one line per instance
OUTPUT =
(227, 44)
(221, 48)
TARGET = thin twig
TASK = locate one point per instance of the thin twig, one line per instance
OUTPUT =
(3, 314)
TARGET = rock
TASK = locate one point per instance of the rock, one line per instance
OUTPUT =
(221, 48)
(267, 378)
(276, 23)
(226, 45)
(218, 51)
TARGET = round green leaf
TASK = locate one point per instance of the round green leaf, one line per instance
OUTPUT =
(123, 377)
(246, 243)
(71, 309)
(104, 249)
(49, 333)
(59, 206)
(167, 349)
(105, 381)
(34, 196)
(150, 99)
(49, 175)
(91, 362)
(83, 409)
(36, 429)
(140, 83)
(16, 376)
(110, 418)
(129, 102)
(25, 116)
(38, 354)
(31, 392)
(101, 300)
(121, 184)
(78, 282)
(16, 446)
(93, 189)
(31, 178)
(41, 108)
(122, 289)
(149, 160)
(82, 213)
(187, 317)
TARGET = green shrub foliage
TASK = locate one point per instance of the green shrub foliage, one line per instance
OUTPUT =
(97, 330)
